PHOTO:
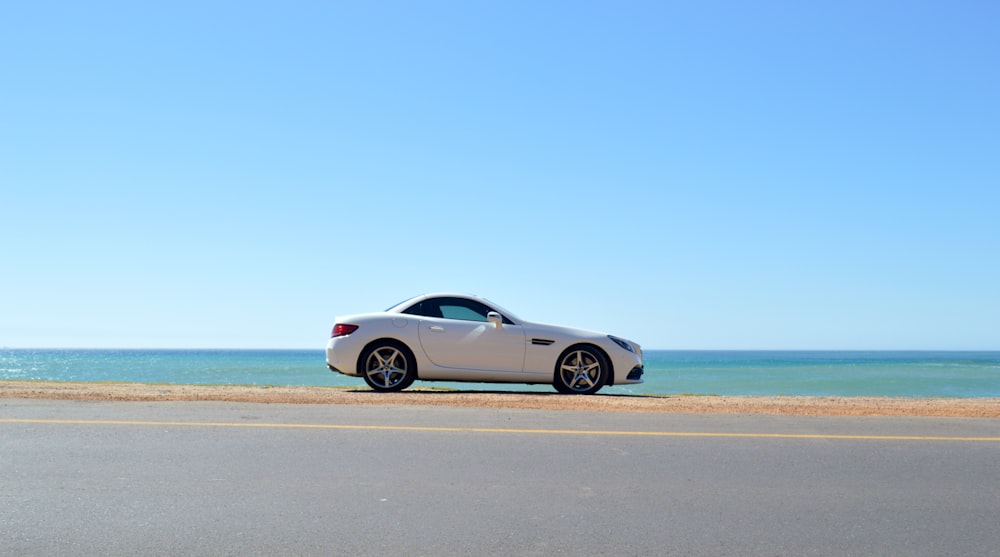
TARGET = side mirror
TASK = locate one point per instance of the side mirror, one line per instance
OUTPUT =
(495, 318)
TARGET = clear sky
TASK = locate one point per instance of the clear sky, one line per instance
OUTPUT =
(688, 174)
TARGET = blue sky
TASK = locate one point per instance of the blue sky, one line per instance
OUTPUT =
(691, 175)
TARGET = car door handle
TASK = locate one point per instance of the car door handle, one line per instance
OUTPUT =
(436, 329)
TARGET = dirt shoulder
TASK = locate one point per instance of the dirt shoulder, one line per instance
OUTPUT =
(676, 404)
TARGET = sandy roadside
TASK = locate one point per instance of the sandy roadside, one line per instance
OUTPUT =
(679, 404)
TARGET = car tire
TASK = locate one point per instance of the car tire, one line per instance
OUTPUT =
(387, 366)
(581, 370)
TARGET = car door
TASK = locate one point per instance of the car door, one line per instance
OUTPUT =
(461, 338)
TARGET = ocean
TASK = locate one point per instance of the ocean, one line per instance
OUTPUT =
(839, 373)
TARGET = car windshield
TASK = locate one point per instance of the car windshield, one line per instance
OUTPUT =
(502, 310)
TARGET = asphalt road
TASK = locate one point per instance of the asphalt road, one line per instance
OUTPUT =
(191, 478)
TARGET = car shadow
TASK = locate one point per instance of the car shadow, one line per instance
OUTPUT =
(432, 393)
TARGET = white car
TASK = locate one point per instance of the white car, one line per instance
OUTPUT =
(456, 337)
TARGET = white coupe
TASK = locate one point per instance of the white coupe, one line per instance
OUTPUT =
(455, 337)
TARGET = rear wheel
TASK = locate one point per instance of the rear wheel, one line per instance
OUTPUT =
(581, 370)
(388, 366)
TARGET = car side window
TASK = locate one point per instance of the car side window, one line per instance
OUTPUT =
(453, 308)
(465, 310)
(427, 308)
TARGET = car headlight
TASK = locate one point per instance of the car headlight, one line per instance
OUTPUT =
(623, 343)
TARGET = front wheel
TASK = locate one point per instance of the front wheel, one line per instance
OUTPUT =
(388, 366)
(581, 370)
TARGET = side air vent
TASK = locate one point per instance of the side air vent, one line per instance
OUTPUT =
(541, 341)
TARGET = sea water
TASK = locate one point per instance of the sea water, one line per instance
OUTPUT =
(893, 374)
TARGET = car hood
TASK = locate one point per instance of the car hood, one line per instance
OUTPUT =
(559, 330)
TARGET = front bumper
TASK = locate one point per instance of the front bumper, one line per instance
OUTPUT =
(635, 374)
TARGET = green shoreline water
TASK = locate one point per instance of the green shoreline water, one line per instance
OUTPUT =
(815, 373)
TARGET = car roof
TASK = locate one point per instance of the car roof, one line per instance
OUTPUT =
(407, 303)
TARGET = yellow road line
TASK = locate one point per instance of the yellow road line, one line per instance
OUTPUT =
(503, 430)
